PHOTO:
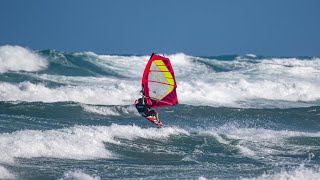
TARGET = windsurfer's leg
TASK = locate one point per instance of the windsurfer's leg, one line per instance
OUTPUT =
(157, 115)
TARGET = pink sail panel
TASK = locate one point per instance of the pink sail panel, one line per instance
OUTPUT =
(159, 83)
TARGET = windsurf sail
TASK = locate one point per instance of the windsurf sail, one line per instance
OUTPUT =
(159, 83)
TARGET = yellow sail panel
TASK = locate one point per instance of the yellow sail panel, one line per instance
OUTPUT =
(162, 67)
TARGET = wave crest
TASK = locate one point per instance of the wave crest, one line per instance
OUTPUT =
(16, 58)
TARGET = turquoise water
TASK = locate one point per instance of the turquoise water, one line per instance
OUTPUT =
(70, 116)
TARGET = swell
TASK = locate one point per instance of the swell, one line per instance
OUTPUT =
(223, 148)
(39, 115)
(237, 114)
(72, 64)
(227, 81)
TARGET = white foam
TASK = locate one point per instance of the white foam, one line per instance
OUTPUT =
(109, 111)
(114, 94)
(133, 66)
(79, 142)
(251, 55)
(202, 178)
(16, 58)
(80, 80)
(129, 66)
(5, 174)
(290, 80)
(78, 175)
(262, 83)
(296, 174)
(233, 93)
(293, 62)
(259, 142)
(188, 67)
(290, 68)
(101, 110)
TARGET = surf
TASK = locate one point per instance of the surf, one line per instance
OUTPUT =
(222, 81)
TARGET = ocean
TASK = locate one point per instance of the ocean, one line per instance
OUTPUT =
(71, 116)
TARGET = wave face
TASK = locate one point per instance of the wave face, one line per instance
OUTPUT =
(228, 81)
(70, 116)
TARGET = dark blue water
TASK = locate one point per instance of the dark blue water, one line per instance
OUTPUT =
(70, 116)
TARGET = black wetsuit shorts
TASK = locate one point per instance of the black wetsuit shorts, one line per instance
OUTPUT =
(151, 113)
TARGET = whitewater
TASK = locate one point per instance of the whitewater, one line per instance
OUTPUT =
(69, 115)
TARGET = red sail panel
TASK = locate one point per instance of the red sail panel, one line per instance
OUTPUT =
(159, 83)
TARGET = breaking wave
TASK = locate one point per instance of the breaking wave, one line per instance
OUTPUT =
(79, 142)
(16, 58)
(298, 173)
(239, 81)
(78, 175)
(6, 174)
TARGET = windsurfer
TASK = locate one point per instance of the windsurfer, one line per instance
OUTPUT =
(143, 106)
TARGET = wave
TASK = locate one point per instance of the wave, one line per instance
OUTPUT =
(208, 146)
(235, 81)
(88, 142)
(261, 143)
(79, 142)
(106, 95)
(78, 175)
(16, 58)
(61, 114)
(297, 173)
(110, 110)
(6, 174)
(237, 94)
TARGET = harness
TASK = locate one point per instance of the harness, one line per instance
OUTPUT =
(142, 107)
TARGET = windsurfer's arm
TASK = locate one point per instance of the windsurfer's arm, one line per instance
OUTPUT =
(147, 101)
(141, 93)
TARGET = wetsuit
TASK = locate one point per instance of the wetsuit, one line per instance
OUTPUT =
(144, 108)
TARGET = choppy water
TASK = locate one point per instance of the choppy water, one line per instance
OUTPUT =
(69, 116)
